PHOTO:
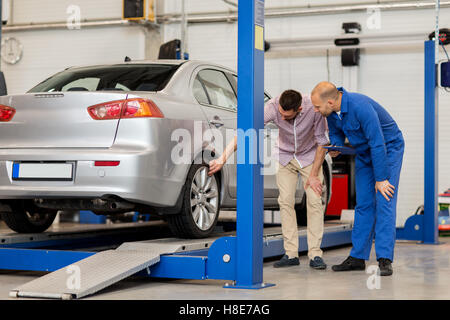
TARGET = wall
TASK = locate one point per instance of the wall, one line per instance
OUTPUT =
(392, 75)
(49, 51)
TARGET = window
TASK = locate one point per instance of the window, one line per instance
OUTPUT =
(121, 87)
(218, 89)
(199, 92)
(127, 77)
(83, 84)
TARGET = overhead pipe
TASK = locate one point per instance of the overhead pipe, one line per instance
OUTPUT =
(85, 24)
(296, 11)
(306, 44)
(364, 37)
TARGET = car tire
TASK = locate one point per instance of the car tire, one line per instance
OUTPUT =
(28, 220)
(200, 207)
(300, 209)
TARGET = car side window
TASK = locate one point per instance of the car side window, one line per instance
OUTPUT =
(83, 84)
(199, 92)
(121, 87)
(218, 89)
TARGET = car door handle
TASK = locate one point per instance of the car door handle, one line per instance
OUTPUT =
(217, 123)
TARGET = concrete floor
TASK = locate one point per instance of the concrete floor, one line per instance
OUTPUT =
(420, 272)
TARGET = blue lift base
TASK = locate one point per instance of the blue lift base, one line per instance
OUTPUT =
(213, 258)
(413, 230)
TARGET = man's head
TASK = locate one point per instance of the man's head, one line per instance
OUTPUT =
(290, 104)
(326, 98)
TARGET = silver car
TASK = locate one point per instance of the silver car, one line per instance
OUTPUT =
(101, 138)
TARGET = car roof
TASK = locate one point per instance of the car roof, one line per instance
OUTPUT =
(192, 63)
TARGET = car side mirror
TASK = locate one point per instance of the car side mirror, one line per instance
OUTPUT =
(3, 90)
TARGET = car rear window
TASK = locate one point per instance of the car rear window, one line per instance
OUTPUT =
(130, 77)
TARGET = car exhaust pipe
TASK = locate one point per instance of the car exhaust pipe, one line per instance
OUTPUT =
(99, 205)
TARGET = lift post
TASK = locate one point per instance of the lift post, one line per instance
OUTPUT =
(430, 222)
(424, 228)
(250, 183)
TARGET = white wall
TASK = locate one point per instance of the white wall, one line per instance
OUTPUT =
(392, 75)
(49, 51)
(27, 11)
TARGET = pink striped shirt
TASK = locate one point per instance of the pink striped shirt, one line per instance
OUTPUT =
(298, 138)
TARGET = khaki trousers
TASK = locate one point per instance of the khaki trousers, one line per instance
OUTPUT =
(287, 179)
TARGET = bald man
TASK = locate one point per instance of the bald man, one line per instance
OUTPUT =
(379, 146)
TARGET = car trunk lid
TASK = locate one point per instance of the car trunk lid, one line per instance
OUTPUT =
(57, 120)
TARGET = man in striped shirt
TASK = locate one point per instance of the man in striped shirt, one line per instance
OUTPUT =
(302, 133)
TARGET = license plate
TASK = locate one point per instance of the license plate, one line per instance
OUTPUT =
(43, 171)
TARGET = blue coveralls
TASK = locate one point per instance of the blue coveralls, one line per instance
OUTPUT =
(379, 146)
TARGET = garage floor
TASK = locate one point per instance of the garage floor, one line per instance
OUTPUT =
(420, 272)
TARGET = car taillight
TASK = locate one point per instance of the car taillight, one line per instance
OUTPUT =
(130, 108)
(106, 111)
(133, 108)
(106, 163)
(6, 113)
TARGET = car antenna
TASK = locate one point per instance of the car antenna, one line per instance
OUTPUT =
(127, 59)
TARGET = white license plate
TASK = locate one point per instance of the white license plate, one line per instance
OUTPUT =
(43, 171)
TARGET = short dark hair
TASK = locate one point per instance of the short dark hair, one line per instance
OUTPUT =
(290, 100)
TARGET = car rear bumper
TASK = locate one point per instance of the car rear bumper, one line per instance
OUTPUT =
(143, 175)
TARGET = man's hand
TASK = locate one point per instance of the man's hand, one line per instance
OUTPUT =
(385, 188)
(334, 154)
(315, 184)
(215, 165)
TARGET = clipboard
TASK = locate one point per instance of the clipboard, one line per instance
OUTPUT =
(342, 150)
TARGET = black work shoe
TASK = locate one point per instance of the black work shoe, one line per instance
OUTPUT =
(385, 267)
(317, 263)
(286, 262)
(350, 264)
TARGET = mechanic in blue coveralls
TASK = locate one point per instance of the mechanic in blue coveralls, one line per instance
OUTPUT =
(379, 147)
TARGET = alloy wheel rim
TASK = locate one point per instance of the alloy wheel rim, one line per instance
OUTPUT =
(204, 199)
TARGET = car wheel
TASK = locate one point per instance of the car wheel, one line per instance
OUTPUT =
(28, 220)
(300, 208)
(201, 205)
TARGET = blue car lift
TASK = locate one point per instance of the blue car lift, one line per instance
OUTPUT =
(238, 259)
(201, 259)
(424, 228)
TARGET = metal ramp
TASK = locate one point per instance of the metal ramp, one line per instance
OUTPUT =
(101, 270)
